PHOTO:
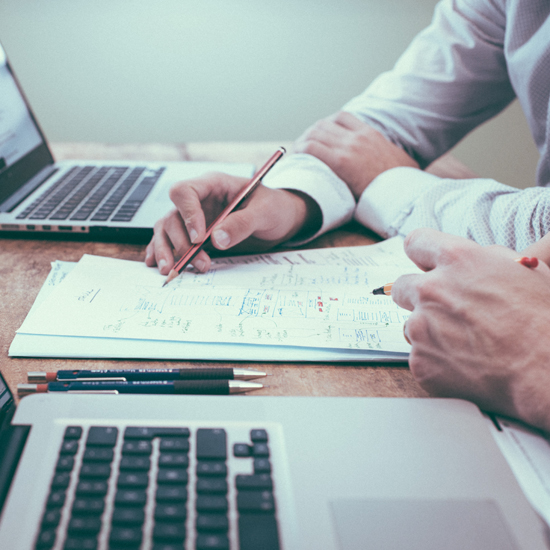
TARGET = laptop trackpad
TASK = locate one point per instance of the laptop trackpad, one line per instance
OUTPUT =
(420, 525)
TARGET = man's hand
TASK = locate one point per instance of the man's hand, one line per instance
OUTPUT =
(268, 217)
(479, 325)
(353, 150)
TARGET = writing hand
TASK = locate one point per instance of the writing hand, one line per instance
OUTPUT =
(478, 326)
(353, 150)
(267, 218)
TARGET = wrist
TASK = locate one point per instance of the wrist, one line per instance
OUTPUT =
(305, 215)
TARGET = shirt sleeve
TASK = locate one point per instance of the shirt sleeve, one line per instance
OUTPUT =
(488, 212)
(451, 78)
(307, 174)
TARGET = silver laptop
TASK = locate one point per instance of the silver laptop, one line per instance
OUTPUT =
(262, 473)
(99, 200)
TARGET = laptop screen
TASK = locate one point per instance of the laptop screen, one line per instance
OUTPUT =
(23, 151)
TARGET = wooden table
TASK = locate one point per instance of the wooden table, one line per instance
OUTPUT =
(25, 264)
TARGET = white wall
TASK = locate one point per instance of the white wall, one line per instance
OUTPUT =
(210, 70)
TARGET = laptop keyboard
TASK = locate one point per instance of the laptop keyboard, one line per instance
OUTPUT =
(160, 489)
(95, 193)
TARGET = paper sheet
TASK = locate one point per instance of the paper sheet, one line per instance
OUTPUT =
(123, 301)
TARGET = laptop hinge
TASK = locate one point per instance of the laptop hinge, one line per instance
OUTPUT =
(15, 199)
(12, 443)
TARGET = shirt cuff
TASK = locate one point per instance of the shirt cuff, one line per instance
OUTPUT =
(307, 174)
(389, 199)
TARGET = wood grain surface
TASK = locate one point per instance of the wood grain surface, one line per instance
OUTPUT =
(25, 264)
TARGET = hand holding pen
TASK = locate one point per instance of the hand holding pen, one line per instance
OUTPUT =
(235, 203)
(269, 217)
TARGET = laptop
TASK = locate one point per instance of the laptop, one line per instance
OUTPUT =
(263, 473)
(114, 200)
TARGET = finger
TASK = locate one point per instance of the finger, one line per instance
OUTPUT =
(169, 236)
(540, 250)
(404, 291)
(150, 255)
(428, 248)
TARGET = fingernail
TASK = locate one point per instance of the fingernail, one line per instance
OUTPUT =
(200, 265)
(193, 235)
(221, 238)
(162, 263)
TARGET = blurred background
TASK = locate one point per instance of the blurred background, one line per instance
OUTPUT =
(166, 71)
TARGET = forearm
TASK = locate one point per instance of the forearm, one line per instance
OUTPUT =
(452, 78)
(482, 210)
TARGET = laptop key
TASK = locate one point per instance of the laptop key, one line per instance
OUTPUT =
(125, 536)
(170, 512)
(80, 543)
(176, 444)
(171, 493)
(73, 432)
(137, 447)
(169, 475)
(262, 466)
(95, 470)
(258, 531)
(212, 522)
(100, 436)
(88, 506)
(173, 460)
(141, 463)
(98, 455)
(211, 444)
(254, 482)
(133, 479)
(211, 503)
(213, 542)
(87, 525)
(168, 531)
(214, 485)
(255, 501)
(212, 469)
(128, 516)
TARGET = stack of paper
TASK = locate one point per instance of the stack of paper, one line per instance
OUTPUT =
(308, 305)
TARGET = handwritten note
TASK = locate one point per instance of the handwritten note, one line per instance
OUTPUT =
(313, 298)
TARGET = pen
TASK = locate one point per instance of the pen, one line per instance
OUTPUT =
(243, 194)
(167, 387)
(527, 262)
(386, 289)
(127, 375)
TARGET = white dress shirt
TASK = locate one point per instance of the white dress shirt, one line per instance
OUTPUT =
(468, 65)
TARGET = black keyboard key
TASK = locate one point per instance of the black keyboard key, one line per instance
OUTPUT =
(140, 447)
(169, 532)
(213, 541)
(211, 503)
(128, 516)
(95, 470)
(65, 464)
(150, 433)
(102, 436)
(88, 506)
(212, 485)
(84, 525)
(98, 454)
(69, 447)
(174, 444)
(125, 537)
(56, 499)
(212, 469)
(260, 450)
(73, 432)
(80, 543)
(91, 488)
(262, 466)
(258, 436)
(211, 444)
(255, 501)
(171, 493)
(167, 546)
(138, 463)
(254, 482)
(212, 522)
(258, 531)
(170, 512)
(51, 518)
(46, 539)
(133, 479)
(172, 475)
(173, 460)
(241, 450)
(61, 480)
(130, 497)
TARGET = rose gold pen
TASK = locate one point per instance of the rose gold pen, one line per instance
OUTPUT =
(243, 194)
